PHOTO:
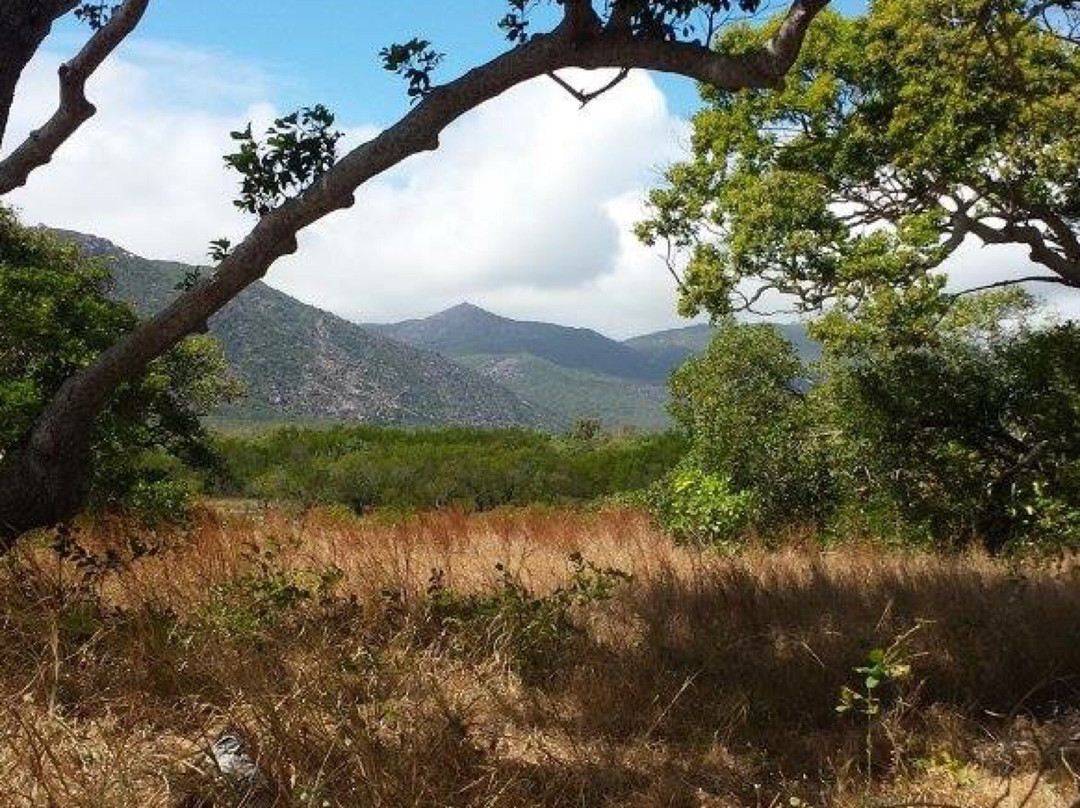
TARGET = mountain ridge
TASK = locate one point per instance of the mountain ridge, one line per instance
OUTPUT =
(299, 362)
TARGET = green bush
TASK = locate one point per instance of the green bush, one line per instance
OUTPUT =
(57, 317)
(697, 507)
(930, 419)
(533, 631)
(367, 467)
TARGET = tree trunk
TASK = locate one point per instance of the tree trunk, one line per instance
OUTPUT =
(24, 24)
(45, 481)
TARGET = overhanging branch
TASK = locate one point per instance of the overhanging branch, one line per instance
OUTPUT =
(585, 97)
(74, 109)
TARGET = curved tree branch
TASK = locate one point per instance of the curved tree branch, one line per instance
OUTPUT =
(62, 429)
(583, 96)
(1013, 282)
(74, 109)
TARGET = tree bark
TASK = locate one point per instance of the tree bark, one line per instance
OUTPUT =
(24, 24)
(58, 445)
(74, 109)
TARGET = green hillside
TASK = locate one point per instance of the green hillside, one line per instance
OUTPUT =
(299, 363)
(573, 394)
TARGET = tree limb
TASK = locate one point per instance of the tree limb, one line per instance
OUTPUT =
(585, 97)
(74, 109)
(63, 427)
(1014, 281)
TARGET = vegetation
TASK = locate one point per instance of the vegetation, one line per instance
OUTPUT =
(898, 135)
(373, 467)
(930, 419)
(291, 178)
(358, 676)
(57, 317)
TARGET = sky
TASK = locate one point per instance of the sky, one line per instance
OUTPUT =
(526, 209)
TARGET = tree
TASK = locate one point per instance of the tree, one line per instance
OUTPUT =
(37, 480)
(57, 317)
(898, 135)
(24, 24)
(743, 406)
(959, 418)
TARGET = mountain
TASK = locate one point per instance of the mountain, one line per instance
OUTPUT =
(572, 372)
(467, 330)
(301, 363)
(574, 394)
(666, 350)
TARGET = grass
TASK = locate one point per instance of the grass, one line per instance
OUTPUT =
(392, 663)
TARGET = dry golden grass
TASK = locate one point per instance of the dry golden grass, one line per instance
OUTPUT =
(704, 681)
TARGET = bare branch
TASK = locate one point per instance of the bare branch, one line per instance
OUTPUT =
(74, 109)
(1014, 281)
(585, 97)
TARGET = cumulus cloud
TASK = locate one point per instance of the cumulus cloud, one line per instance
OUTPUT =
(525, 208)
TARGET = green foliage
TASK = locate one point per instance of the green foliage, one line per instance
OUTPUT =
(299, 148)
(962, 419)
(928, 419)
(743, 406)
(664, 20)
(884, 667)
(372, 467)
(701, 508)
(414, 61)
(57, 318)
(531, 630)
(895, 135)
(250, 604)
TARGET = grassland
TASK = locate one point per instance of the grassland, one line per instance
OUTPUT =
(392, 663)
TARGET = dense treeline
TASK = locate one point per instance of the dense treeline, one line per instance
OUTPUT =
(367, 467)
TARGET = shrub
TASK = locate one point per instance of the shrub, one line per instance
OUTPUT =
(701, 508)
(531, 630)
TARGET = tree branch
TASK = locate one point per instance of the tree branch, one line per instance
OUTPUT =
(585, 97)
(1012, 232)
(74, 109)
(64, 424)
(1014, 281)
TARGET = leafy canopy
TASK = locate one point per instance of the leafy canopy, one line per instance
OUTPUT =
(57, 318)
(928, 418)
(896, 136)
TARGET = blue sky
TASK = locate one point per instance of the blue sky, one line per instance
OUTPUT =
(326, 50)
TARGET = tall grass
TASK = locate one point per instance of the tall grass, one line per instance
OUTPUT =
(391, 663)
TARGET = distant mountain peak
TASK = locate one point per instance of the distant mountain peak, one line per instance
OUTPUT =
(467, 309)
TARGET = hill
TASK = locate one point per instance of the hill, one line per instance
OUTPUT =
(574, 394)
(467, 330)
(300, 363)
(572, 372)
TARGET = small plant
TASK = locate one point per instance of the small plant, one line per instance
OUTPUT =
(252, 603)
(884, 667)
(530, 629)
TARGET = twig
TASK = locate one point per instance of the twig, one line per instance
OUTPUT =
(585, 97)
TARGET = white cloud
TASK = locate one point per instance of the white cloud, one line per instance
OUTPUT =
(147, 170)
(522, 209)
(525, 208)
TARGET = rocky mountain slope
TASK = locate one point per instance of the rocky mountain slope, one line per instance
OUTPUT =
(300, 363)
